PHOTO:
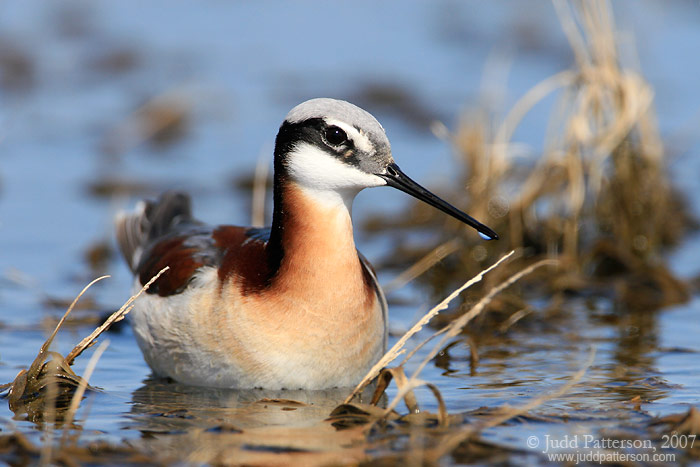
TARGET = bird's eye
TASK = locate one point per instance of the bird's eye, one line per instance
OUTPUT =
(335, 135)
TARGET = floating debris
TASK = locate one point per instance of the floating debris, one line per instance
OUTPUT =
(17, 67)
(161, 121)
(46, 390)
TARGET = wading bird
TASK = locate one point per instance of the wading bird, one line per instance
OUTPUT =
(292, 306)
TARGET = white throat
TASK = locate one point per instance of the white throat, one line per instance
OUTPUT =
(325, 178)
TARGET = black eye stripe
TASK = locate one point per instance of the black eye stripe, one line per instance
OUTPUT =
(314, 132)
(335, 135)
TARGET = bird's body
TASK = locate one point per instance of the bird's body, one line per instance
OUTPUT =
(295, 306)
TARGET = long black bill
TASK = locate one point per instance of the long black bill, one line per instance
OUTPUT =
(396, 178)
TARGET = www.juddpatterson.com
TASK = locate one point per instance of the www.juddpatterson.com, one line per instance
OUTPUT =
(590, 449)
(611, 457)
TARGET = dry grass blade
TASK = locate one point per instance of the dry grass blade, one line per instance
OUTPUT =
(44, 348)
(450, 442)
(405, 392)
(48, 381)
(114, 317)
(398, 375)
(576, 40)
(523, 106)
(78, 396)
(422, 344)
(443, 419)
(514, 318)
(50, 415)
(458, 324)
(262, 168)
(6, 386)
(396, 349)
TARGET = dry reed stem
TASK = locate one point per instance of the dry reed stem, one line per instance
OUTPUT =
(77, 397)
(262, 168)
(450, 442)
(612, 99)
(436, 255)
(405, 392)
(523, 106)
(458, 324)
(46, 450)
(399, 375)
(601, 105)
(42, 351)
(414, 350)
(639, 98)
(114, 317)
(50, 417)
(443, 419)
(51, 387)
(395, 350)
(514, 318)
(568, 25)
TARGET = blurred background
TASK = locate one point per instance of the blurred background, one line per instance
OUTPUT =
(106, 102)
(103, 103)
